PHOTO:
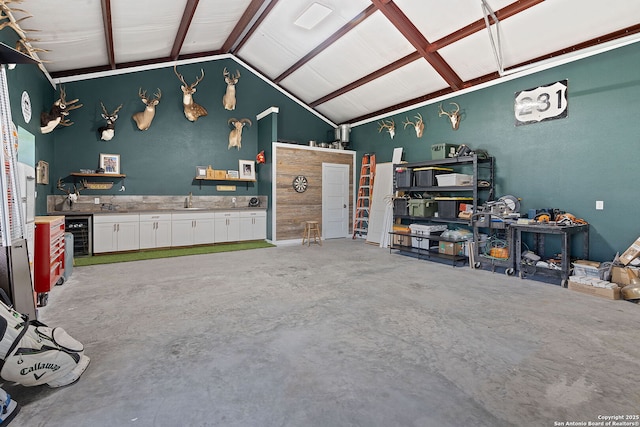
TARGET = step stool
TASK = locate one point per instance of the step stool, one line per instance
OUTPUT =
(311, 231)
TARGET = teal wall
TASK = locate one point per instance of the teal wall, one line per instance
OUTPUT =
(162, 159)
(567, 164)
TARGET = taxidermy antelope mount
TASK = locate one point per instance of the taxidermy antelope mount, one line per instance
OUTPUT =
(418, 125)
(235, 136)
(143, 118)
(454, 116)
(72, 196)
(108, 131)
(229, 98)
(58, 113)
(191, 110)
(389, 125)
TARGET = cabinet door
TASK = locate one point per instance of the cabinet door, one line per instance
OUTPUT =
(104, 237)
(233, 228)
(128, 236)
(203, 232)
(147, 234)
(260, 226)
(246, 228)
(182, 232)
(163, 234)
(220, 230)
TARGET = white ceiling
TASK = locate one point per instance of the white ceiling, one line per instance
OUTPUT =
(367, 58)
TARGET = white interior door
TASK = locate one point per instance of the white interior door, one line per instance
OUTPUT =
(335, 200)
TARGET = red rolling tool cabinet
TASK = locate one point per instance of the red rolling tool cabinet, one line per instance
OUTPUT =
(48, 255)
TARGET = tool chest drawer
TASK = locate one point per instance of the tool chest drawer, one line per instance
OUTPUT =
(49, 252)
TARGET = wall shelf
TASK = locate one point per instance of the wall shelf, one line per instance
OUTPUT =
(98, 175)
(200, 178)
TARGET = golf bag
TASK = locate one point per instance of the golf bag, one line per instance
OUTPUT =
(34, 354)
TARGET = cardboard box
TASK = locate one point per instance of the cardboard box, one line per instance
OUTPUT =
(631, 253)
(401, 239)
(620, 276)
(592, 290)
(450, 248)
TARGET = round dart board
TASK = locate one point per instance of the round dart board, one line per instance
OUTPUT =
(300, 183)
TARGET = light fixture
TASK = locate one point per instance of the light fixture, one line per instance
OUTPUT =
(312, 16)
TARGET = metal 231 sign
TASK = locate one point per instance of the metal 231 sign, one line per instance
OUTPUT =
(542, 103)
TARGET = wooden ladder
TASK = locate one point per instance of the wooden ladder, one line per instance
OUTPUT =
(365, 190)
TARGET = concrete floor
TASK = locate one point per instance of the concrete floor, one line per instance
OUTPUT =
(340, 335)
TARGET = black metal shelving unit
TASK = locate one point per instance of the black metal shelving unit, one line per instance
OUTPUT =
(483, 171)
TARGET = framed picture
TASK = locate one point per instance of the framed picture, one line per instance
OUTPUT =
(110, 163)
(247, 169)
(233, 174)
(42, 172)
(201, 171)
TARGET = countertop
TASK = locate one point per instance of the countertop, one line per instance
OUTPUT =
(151, 211)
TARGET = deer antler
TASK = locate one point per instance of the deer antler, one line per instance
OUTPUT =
(390, 125)
(62, 186)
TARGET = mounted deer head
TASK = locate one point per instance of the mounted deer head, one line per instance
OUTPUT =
(235, 136)
(143, 118)
(58, 113)
(72, 196)
(389, 125)
(191, 110)
(108, 131)
(454, 116)
(229, 98)
(418, 125)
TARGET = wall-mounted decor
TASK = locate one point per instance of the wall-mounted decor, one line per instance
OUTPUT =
(233, 174)
(42, 172)
(543, 103)
(110, 163)
(300, 183)
(201, 171)
(247, 169)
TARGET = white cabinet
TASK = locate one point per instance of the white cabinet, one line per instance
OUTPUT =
(155, 230)
(253, 225)
(113, 233)
(227, 228)
(192, 228)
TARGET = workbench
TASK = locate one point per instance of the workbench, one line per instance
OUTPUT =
(565, 232)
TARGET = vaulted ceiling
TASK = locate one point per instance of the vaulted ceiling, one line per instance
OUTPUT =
(362, 59)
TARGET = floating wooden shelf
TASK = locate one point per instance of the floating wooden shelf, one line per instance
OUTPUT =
(100, 175)
(201, 178)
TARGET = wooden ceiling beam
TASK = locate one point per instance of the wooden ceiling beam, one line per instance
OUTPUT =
(328, 42)
(239, 35)
(369, 78)
(479, 25)
(108, 32)
(399, 20)
(183, 28)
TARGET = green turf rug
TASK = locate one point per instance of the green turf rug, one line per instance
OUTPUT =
(166, 253)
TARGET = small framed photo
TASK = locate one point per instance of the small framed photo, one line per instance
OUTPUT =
(201, 171)
(247, 169)
(42, 172)
(110, 163)
(233, 174)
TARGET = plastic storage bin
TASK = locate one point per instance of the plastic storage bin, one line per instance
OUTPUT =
(403, 177)
(441, 151)
(422, 207)
(454, 179)
(401, 206)
(449, 207)
(426, 177)
(425, 230)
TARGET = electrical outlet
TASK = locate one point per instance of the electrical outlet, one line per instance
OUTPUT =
(599, 205)
(96, 200)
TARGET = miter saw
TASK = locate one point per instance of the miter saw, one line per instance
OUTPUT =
(505, 207)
